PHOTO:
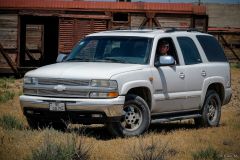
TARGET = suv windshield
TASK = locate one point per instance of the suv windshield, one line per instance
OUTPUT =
(112, 49)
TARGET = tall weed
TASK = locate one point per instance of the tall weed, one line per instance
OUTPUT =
(73, 149)
(207, 154)
(6, 96)
(152, 151)
(10, 122)
(5, 92)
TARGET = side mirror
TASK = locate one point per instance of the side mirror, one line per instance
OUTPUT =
(165, 61)
(61, 57)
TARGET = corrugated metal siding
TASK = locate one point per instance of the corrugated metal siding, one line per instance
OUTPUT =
(100, 25)
(66, 34)
(73, 30)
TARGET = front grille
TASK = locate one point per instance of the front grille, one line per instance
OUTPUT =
(66, 93)
(45, 81)
(46, 88)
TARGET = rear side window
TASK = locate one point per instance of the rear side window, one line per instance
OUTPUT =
(212, 49)
(189, 51)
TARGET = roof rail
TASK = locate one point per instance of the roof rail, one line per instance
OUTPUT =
(173, 29)
(165, 29)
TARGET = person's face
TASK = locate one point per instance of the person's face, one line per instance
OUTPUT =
(163, 49)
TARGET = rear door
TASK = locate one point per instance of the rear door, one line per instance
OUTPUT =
(195, 72)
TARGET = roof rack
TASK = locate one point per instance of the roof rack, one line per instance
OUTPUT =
(173, 29)
(165, 29)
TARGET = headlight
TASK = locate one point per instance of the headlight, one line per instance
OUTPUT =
(104, 83)
(108, 89)
(30, 80)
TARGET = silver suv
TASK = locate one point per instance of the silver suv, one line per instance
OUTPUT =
(119, 79)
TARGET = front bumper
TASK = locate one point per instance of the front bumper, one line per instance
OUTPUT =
(109, 107)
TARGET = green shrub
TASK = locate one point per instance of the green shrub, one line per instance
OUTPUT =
(4, 82)
(6, 96)
(9, 122)
(235, 65)
(207, 154)
(51, 150)
(150, 151)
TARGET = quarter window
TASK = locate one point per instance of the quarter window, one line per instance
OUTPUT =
(189, 51)
(212, 49)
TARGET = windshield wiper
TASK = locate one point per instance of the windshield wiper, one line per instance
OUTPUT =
(79, 60)
(114, 60)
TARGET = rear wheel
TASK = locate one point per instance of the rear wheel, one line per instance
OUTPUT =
(135, 119)
(211, 111)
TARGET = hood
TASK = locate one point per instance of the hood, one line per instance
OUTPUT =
(83, 70)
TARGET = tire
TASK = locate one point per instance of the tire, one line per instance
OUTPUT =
(211, 111)
(135, 119)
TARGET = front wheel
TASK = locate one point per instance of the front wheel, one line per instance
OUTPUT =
(211, 111)
(135, 118)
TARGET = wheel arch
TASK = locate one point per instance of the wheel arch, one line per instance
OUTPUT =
(143, 92)
(216, 86)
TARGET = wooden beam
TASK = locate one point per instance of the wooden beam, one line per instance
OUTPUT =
(229, 47)
(9, 61)
(31, 57)
(155, 20)
(143, 23)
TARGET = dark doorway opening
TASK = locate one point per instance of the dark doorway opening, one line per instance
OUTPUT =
(38, 40)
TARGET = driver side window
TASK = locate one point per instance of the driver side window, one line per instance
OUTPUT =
(166, 46)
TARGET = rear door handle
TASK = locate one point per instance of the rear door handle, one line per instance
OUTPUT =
(182, 75)
(204, 73)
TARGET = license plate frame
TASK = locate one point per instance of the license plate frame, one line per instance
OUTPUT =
(57, 106)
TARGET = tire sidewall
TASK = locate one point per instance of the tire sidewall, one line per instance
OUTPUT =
(118, 130)
(211, 94)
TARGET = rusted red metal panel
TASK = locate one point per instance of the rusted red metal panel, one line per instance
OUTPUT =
(200, 10)
(66, 27)
(223, 29)
(71, 30)
(104, 6)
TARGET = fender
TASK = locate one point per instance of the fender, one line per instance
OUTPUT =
(207, 82)
(134, 84)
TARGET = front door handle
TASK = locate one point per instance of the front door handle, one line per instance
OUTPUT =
(181, 75)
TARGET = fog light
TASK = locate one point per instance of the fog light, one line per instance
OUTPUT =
(29, 112)
(96, 115)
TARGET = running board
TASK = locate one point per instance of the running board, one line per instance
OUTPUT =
(167, 119)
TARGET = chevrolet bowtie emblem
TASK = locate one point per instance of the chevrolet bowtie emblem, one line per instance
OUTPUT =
(60, 88)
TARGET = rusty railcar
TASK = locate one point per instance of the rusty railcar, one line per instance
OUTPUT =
(33, 33)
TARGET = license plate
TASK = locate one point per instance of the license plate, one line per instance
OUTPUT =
(56, 106)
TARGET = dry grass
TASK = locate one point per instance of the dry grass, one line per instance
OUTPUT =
(173, 140)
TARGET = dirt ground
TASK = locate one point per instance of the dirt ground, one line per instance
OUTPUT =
(176, 140)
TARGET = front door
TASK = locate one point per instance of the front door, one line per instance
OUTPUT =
(169, 94)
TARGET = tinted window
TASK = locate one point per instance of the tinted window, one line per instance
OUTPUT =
(171, 51)
(212, 49)
(111, 49)
(189, 50)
